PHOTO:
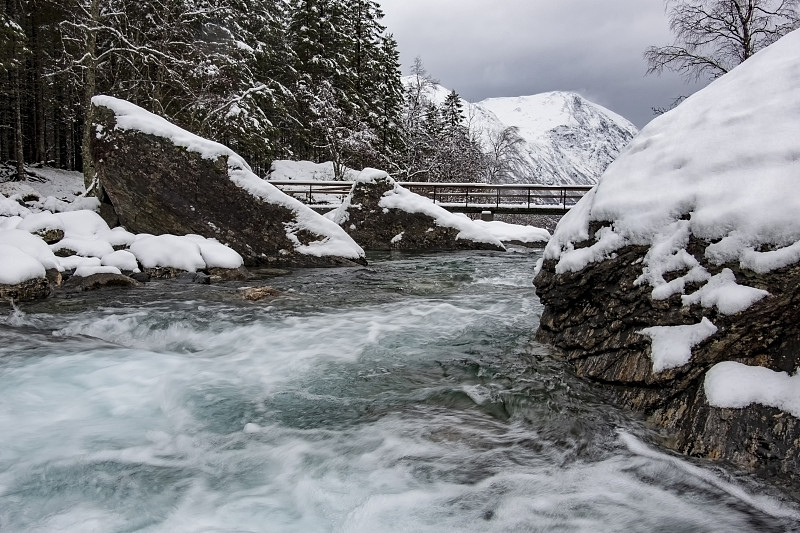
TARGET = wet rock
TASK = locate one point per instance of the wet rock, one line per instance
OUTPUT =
(54, 277)
(270, 272)
(198, 278)
(593, 317)
(229, 274)
(255, 294)
(141, 277)
(34, 289)
(99, 281)
(162, 273)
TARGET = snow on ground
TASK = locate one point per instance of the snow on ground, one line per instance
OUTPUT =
(723, 167)
(48, 189)
(25, 256)
(336, 241)
(505, 232)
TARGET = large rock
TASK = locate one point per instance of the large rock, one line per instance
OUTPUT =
(379, 214)
(162, 179)
(675, 283)
(595, 317)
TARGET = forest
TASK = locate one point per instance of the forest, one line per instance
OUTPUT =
(314, 80)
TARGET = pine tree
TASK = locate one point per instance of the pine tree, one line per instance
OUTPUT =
(272, 78)
(12, 61)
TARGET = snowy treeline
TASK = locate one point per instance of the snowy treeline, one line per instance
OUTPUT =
(301, 79)
(315, 80)
(439, 142)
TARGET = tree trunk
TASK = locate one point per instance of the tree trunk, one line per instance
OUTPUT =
(19, 142)
(90, 85)
(38, 95)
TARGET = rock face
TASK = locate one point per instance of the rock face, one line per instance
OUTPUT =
(675, 282)
(161, 179)
(380, 215)
(594, 317)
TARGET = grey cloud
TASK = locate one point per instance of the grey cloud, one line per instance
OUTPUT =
(484, 48)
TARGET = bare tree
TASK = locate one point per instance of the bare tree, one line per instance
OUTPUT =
(713, 36)
(504, 156)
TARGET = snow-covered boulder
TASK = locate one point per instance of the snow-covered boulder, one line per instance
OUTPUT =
(22, 275)
(677, 279)
(518, 234)
(162, 179)
(381, 215)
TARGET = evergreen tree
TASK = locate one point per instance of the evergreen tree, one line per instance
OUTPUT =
(389, 99)
(13, 53)
(313, 79)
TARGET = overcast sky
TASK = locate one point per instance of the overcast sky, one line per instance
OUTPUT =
(488, 48)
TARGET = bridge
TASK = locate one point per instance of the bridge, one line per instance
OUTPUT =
(518, 198)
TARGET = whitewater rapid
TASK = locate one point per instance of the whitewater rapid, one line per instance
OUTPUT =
(406, 396)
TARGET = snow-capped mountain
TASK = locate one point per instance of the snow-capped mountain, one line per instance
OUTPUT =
(566, 138)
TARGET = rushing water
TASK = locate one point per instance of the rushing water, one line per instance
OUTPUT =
(407, 396)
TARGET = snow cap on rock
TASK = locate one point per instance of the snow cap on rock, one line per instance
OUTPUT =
(726, 160)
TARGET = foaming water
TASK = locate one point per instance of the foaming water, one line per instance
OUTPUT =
(406, 396)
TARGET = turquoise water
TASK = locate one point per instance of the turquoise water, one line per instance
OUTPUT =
(406, 396)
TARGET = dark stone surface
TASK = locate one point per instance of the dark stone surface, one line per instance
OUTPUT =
(51, 236)
(198, 278)
(592, 317)
(26, 291)
(99, 281)
(228, 274)
(157, 187)
(255, 294)
(141, 277)
(374, 227)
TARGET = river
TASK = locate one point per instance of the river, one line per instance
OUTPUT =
(407, 396)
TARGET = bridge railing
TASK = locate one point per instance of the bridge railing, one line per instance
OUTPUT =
(519, 195)
(315, 192)
(453, 196)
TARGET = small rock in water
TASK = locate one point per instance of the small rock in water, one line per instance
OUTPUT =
(194, 277)
(99, 281)
(254, 294)
(141, 277)
(229, 274)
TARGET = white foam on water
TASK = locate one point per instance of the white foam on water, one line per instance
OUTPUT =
(247, 419)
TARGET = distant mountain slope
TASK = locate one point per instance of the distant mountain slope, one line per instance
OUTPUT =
(566, 138)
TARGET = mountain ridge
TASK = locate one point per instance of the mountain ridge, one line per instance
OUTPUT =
(566, 138)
